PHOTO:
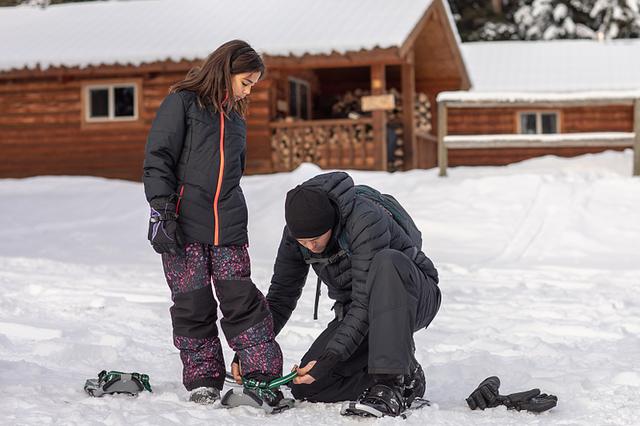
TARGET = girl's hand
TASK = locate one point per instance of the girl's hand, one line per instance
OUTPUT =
(236, 372)
(303, 377)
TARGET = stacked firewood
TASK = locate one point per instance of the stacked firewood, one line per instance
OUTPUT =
(422, 120)
(349, 105)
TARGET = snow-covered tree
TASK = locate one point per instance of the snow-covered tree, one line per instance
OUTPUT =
(616, 18)
(550, 19)
(37, 3)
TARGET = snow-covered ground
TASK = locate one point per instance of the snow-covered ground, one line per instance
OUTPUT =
(540, 275)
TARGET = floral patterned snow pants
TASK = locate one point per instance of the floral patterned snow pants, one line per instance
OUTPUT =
(246, 323)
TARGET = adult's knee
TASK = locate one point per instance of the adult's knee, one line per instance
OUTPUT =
(389, 258)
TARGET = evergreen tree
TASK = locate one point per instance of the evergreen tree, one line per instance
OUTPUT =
(37, 3)
(546, 19)
(616, 18)
(551, 19)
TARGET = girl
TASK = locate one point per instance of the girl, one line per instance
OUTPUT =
(194, 160)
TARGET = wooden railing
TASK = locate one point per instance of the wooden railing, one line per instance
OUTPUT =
(344, 144)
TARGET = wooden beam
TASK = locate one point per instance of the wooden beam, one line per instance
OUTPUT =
(389, 56)
(538, 104)
(99, 70)
(378, 87)
(442, 132)
(408, 118)
(449, 34)
(636, 138)
(407, 45)
(556, 140)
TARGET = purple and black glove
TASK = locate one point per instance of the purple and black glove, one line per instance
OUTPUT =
(164, 232)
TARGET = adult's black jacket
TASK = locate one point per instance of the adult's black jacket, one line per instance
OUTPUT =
(198, 154)
(363, 230)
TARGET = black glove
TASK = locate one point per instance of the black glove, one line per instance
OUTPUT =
(164, 232)
(531, 400)
(487, 395)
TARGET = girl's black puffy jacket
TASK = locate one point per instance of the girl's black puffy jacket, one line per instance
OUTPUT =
(198, 155)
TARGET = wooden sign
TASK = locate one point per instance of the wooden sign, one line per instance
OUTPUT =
(282, 106)
(378, 102)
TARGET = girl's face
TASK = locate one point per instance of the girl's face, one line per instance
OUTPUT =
(243, 82)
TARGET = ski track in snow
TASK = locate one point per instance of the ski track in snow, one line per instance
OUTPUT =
(540, 274)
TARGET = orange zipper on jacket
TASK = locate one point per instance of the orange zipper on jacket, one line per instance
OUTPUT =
(216, 229)
(179, 199)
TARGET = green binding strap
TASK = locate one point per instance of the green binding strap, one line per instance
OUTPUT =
(106, 376)
(273, 384)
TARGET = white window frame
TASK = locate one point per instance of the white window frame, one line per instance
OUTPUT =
(538, 115)
(299, 82)
(112, 102)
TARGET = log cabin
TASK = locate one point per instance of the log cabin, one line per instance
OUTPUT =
(349, 84)
(80, 84)
(562, 97)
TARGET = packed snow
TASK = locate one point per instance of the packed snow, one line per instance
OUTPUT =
(540, 275)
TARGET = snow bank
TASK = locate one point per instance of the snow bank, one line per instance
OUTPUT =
(540, 279)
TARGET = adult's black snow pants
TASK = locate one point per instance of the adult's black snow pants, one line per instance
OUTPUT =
(402, 300)
(247, 322)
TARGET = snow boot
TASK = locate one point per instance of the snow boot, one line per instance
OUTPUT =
(384, 398)
(415, 386)
(204, 395)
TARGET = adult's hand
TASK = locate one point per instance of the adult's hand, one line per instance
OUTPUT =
(304, 378)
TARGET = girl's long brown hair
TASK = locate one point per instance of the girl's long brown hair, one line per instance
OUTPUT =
(212, 80)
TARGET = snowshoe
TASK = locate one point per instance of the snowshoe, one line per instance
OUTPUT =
(204, 395)
(270, 400)
(112, 382)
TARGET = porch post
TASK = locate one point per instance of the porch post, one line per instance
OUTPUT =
(378, 87)
(636, 139)
(442, 132)
(408, 101)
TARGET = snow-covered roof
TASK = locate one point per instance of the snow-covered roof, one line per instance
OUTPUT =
(553, 66)
(140, 31)
(472, 96)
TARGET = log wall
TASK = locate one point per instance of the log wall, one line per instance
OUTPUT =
(42, 131)
(479, 121)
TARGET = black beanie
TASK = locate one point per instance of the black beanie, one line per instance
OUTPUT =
(308, 212)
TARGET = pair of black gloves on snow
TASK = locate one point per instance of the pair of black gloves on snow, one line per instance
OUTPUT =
(487, 395)
(164, 232)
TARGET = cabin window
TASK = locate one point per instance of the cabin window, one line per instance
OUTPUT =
(113, 102)
(536, 122)
(299, 98)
